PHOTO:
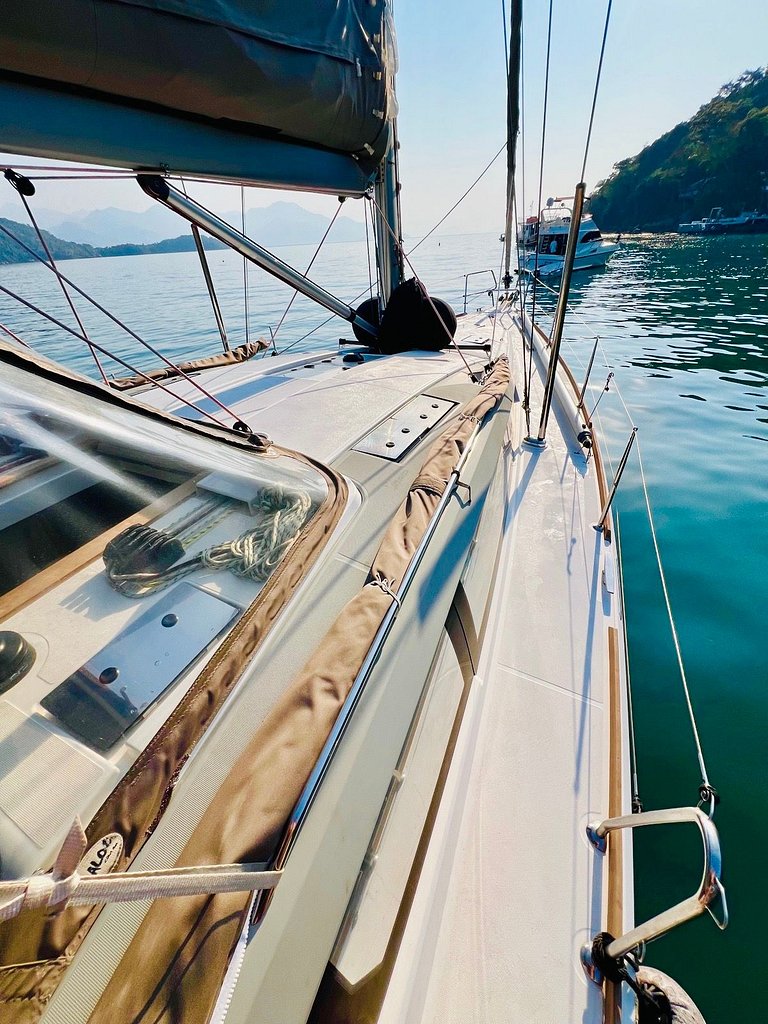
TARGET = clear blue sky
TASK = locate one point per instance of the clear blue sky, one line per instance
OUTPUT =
(664, 59)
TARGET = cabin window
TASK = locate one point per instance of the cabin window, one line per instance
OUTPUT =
(590, 236)
(130, 548)
(553, 245)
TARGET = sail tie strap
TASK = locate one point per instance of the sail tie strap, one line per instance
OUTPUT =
(64, 885)
(387, 586)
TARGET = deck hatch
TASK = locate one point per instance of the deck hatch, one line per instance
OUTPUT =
(111, 691)
(395, 436)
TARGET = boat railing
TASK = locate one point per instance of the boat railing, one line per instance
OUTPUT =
(710, 890)
(483, 291)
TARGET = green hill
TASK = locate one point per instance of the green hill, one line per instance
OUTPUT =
(12, 252)
(182, 243)
(717, 158)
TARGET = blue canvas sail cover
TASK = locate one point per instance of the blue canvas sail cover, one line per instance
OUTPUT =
(314, 72)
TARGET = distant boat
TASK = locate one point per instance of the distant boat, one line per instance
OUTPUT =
(546, 253)
(749, 222)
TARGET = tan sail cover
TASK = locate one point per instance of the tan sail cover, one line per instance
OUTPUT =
(36, 947)
(174, 968)
(240, 354)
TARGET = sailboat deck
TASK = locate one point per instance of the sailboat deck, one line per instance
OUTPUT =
(510, 888)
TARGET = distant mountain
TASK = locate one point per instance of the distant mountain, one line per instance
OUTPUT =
(114, 232)
(717, 158)
(182, 243)
(113, 226)
(12, 252)
(281, 223)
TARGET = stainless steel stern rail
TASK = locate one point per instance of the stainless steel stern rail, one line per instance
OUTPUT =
(710, 889)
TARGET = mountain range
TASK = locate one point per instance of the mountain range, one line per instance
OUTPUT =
(281, 223)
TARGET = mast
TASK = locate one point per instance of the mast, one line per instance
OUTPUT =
(387, 220)
(513, 124)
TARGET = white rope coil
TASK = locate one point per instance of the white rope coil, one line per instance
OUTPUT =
(279, 514)
(64, 886)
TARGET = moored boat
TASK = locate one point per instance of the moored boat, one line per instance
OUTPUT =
(750, 222)
(546, 253)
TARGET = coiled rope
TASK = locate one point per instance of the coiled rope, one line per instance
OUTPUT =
(253, 555)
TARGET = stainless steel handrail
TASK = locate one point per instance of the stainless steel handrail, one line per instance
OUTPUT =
(710, 889)
(474, 273)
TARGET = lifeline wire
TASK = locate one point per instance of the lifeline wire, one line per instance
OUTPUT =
(309, 267)
(673, 628)
(133, 334)
(110, 355)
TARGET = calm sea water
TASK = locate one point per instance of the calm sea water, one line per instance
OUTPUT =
(683, 325)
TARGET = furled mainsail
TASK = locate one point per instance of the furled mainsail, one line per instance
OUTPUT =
(317, 72)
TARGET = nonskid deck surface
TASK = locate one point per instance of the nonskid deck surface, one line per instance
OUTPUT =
(510, 888)
(316, 402)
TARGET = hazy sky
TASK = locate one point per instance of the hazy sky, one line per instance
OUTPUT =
(664, 58)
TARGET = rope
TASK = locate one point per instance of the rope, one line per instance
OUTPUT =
(597, 86)
(388, 586)
(253, 555)
(64, 886)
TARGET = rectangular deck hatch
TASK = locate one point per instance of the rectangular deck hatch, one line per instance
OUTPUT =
(393, 438)
(119, 684)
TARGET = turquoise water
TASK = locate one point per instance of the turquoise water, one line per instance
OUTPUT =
(683, 325)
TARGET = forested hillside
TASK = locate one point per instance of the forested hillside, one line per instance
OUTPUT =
(12, 252)
(718, 158)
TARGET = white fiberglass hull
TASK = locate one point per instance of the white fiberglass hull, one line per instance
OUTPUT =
(587, 258)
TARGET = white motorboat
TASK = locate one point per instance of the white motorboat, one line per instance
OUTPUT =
(748, 222)
(313, 685)
(547, 254)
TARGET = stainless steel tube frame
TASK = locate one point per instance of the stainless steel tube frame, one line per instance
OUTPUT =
(158, 188)
(711, 886)
(556, 335)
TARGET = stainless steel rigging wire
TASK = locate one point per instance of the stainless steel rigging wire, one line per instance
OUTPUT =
(102, 309)
(309, 267)
(245, 268)
(110, 355)
(461, 199)
(67, 296)
(597, 86)
(541, 161)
